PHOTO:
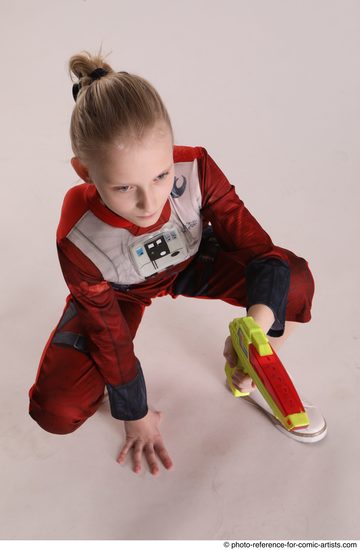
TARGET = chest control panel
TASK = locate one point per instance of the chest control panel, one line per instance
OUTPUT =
(152, 253)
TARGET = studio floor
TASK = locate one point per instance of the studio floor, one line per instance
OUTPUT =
(293, 154)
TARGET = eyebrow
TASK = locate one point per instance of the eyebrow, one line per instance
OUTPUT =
(159, 174)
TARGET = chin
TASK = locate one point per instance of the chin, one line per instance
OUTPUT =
(146, 221)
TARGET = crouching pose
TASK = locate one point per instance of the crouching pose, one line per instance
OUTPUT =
(149, 219)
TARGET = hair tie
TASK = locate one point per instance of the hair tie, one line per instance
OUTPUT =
(95, 75)
(98, 73)
(75, 91)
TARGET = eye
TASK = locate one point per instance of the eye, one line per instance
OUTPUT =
(162, 176)
(123, 188)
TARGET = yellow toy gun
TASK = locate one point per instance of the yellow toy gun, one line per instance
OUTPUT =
(257, 359)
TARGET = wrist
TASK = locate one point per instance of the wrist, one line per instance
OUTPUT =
(138, 420)
(262, 315)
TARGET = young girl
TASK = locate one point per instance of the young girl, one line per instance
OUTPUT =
(151, 218)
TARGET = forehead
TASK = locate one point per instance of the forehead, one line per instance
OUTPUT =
(137, 162)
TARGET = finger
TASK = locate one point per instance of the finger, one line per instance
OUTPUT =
(124, 451)
(228, 347)
(246, 388)
(163, 455)
(137, 452)
(240, 378)
(229, 352)
(243, 383)
(231, 357)
(151, 459)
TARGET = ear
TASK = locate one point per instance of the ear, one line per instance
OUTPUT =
(81, 170)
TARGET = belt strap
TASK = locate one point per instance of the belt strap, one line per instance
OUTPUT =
(77, 341)
(69, 314)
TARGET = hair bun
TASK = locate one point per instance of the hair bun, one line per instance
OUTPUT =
(95, 75)
(86, 68)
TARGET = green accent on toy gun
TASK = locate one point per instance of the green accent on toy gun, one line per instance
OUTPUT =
(244, 331)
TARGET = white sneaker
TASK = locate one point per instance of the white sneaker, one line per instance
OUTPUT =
(315, 431)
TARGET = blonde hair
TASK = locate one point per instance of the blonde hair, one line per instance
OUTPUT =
(118, 106)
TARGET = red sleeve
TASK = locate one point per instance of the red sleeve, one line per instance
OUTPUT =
(109, 338)
(235, 228)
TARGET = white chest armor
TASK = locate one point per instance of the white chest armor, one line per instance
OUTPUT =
(126, 259)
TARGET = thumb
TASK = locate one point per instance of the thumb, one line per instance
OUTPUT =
(229, 352)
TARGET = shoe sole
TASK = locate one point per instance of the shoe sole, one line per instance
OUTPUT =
(297, 435)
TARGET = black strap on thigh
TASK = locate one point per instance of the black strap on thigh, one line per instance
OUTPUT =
(69, 314)
(77, 341)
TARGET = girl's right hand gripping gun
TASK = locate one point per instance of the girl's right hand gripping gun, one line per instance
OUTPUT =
(257, 359)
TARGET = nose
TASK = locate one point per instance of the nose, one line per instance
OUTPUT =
(146, 202)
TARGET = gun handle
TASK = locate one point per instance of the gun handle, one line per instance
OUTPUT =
(229, 371)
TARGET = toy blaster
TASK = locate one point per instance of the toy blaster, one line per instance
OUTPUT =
(257, 359)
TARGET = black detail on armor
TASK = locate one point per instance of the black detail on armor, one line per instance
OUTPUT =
(68, 338)
(71, 339)
(194, 280)
(178, 190)
(267, 282)
(69, 314)
(121, 288)
(129, 401)
(157, 248)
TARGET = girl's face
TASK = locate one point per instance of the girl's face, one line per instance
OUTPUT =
(135, 181)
